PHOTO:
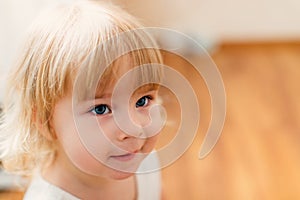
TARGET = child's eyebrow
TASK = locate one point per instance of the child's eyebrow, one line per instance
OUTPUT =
(103, 95)
(147, 88)
(143, 89)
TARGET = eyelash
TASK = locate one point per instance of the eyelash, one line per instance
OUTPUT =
(107, 109)
(148, 98)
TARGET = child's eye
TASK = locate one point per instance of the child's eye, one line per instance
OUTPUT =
(142, 102)
(100, 110)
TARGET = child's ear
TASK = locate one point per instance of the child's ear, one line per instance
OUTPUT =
(51, 131)
(45, 130)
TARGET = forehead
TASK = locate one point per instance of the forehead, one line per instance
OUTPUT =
(127, 71)
(124, 77)
(114, 73)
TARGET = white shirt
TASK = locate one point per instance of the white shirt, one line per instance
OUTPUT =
(148, 184)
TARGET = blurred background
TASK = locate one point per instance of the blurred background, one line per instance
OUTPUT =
(256, 46)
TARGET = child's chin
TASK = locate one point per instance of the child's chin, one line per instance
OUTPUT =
(119, 175)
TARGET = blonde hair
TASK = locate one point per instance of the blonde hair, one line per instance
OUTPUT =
(59, 43)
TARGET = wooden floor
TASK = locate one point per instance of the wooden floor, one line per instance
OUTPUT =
(258, 154)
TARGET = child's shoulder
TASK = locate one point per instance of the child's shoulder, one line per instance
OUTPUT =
(41, 189)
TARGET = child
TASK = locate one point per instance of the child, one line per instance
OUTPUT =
(78, 105)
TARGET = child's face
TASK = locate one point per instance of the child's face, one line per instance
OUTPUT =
(90, 138)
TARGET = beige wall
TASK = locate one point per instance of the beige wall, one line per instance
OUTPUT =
(212, 21)
(223, 19)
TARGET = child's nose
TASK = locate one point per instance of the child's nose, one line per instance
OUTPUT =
(139, 124)
(122, 135)
(140, 119)
(132, 127)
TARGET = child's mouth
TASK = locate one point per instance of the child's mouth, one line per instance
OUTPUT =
(125, 157)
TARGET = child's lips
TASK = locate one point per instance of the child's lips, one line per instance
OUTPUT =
(125, 157)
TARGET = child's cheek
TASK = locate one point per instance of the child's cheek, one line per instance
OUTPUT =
(150, 144)
(73, 147)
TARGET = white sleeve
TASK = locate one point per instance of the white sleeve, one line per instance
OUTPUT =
(149, 178)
